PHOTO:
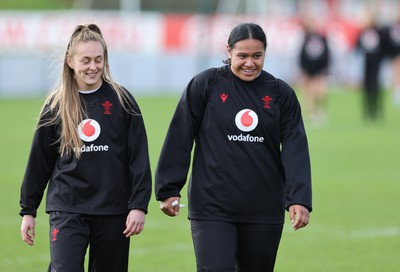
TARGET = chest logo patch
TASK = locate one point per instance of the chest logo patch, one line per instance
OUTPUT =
(223, 96)
(89, 130)
(107, 107)
(267, 102)
(246, 120)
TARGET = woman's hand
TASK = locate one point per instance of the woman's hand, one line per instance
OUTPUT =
(28, 229)
(299, 216)
(134, 222)
(169, 209)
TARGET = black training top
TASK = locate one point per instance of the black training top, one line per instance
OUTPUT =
(314, 54)
(111, 177)
(391, 40)
(251, 158)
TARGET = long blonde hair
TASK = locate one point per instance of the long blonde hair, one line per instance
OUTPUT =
(64, 106)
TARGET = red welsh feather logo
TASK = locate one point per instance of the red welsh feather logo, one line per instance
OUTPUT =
(54, 233)
(267, 102)
(107, 106)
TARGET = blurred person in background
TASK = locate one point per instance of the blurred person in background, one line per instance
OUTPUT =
(314, 63)
(251, 159)
(90, 148)
(391, 41)
(370, 44)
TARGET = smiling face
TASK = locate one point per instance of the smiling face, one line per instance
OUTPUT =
(87, 61)
(247, 58)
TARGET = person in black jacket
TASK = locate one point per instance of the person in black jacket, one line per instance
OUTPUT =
(391, 45)
(90, 149)
(314, 63)
(370, 44)
(250, 163)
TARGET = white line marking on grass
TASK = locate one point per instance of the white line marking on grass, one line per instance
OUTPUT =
(165, 225)
(340, 233)
(22, 260)
(372, 233)
(174, 248)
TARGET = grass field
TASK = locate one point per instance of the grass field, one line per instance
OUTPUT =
(355, 225)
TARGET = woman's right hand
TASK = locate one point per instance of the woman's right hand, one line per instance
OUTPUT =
(168, 209)
(28, 229)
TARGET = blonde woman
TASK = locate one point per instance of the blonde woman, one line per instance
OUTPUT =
(90, 149)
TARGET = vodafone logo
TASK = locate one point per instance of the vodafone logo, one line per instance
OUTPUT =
(89, 130)
(246, 120)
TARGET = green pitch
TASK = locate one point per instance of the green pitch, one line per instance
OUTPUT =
(355, 225)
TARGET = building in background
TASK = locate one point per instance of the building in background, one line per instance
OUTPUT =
(157, 46)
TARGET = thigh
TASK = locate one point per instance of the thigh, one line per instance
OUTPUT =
(215, 245)
(109, 248)
(69, 236)
(258, 246)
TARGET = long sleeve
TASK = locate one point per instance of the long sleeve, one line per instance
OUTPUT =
(42, 158)
(295, 155)
(139, 164)
(175, 157)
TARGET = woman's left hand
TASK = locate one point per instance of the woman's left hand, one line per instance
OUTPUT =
(299, 216)
(134, 223)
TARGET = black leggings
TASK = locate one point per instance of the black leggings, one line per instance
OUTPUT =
(228, 247)
(71, 234)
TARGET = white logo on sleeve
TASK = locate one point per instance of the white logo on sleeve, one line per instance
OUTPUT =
(246, 120)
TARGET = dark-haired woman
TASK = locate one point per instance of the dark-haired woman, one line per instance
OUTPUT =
(251, 159)
(90, 149)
